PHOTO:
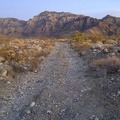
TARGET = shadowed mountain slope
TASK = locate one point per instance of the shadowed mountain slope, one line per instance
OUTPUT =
(109, 25)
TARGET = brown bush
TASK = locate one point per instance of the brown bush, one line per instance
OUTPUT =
(24, 54)
(108, 65)
(80, 48)
(95, 38)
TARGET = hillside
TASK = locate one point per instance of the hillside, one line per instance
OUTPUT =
(109, 25)
(11, 27)
(59, 24)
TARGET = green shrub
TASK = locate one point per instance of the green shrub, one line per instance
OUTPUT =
(79, 37)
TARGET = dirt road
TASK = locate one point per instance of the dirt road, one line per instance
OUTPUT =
(60, 90)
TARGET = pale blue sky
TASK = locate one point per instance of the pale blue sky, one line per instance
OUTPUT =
(26, 9)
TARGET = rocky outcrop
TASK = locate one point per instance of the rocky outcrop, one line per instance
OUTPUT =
(109, 25)
(59, 24)
(47, 23)
(6, 71)
(11, 26)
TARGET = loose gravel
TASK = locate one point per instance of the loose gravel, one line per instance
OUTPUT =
(61, 89)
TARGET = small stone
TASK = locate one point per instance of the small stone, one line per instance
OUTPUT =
(112, 78)
(63, 110)
(95, 50)
(4, 74)
(2, 112)
(2, 59)
(93, 116)
(119, 71)
(48, 111)
(1, 63)
(32, 104)
(8, 82)
(56, 106)
(28, 111)
(82, 53)
(105, 50)
(112, 54)
(96, 118)
(119, 92)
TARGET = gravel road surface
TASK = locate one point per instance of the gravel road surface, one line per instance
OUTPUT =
(61, 89)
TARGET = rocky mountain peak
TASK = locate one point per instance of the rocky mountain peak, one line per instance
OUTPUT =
(59, 24)
(108, 16)
(53, 12)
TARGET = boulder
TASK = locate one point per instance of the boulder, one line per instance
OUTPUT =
(6, 72)
(97, 46)
(82, 53)
(107, 45)
(41, 58)
(105, 51)
(2, 59)
(116, 49)
(111, 42)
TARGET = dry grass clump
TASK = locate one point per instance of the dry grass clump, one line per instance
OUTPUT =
(95, 38)
(109, 65)
(24, 54)
(81, 47)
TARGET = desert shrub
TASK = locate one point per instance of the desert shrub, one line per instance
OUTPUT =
(4, 39)
(81, 47)
(84, 46)
(109, 65)
(95, 38)
(24, 54)
(79, 37)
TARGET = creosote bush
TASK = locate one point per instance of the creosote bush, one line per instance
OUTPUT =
(109, 65)
(81, 47)
(79, 37)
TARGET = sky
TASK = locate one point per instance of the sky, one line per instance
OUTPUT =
(26, 9)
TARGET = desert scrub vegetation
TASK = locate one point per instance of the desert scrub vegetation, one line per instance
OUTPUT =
(81, 47)
(102, 52)
(80, 43)
(103, 39)
(79, 37)
(106, 66)
(22, 55)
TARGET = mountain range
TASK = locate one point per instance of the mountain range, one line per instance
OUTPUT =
(59, 24)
